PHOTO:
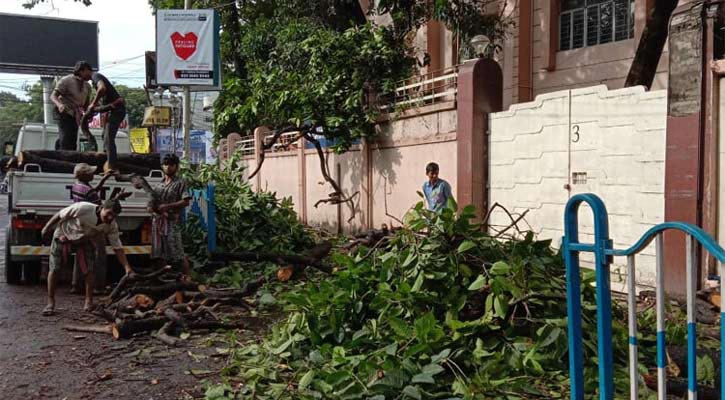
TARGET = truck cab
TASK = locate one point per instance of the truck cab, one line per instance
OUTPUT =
(35, 196)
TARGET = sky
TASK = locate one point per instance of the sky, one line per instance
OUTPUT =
(126, 31)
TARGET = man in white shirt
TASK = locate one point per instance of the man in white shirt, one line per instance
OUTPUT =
(71, 97)
(77, 227)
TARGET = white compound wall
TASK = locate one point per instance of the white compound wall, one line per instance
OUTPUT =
(591, 140)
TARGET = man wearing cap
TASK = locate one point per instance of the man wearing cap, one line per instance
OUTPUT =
(169, 199)
(78, 227)
(71, 97)
(82, 191)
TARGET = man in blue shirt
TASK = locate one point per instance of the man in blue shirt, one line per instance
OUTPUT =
(436, 190)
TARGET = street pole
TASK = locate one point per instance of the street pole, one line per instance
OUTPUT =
(47, 103)
(187, 109)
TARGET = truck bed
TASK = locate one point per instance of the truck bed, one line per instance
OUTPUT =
(47, 193)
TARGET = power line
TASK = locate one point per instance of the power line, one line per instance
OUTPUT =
(113, 64)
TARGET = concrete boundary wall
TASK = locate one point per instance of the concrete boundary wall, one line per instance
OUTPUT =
(382, 175)
(591, 140)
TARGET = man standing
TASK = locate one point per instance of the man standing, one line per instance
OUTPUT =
(170, 197)
(78, 227)
(71, 98)
(110, 100)
(436, 190)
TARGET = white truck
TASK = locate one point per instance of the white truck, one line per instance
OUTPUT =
(35, 196)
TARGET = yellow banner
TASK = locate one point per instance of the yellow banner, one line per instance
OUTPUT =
(157, 116)
(140, 140)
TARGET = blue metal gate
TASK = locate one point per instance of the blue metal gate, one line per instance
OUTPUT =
(202, 205)
(603, 251)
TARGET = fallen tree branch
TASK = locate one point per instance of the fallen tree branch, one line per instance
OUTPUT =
(279, 259)
(164, 334)
(90, 328)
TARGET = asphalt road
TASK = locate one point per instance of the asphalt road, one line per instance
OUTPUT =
(41, 360)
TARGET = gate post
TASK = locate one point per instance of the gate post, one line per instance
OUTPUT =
(480, 92)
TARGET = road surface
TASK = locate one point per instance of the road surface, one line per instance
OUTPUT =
(40, 360)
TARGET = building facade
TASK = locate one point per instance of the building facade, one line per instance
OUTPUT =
(557, 45)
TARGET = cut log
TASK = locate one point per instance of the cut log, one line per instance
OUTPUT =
(90, 328)
(128, 280)
(134, 302)
(146, 161)
(144, 302)
(49, 165)
(165, 290)
(164, 335)
(213, 325)
(126, 328)
(164, 304)
(285, 273)
(66, 167)
(175, 317)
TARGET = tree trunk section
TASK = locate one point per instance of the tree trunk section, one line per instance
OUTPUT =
(644, 66)
(126, 328)
(141, 164)
(89, 328)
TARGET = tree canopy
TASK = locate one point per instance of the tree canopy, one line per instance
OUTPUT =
(317, 67)
(14, 110)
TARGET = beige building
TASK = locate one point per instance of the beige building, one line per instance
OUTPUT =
(557, 45)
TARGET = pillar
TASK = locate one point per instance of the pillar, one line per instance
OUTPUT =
(480, 92)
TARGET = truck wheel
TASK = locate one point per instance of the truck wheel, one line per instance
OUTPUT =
(31, 270)
(13, 270)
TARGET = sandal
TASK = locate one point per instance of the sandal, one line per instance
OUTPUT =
(49, 311)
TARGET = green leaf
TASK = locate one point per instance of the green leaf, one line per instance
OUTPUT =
(705, 370)
(433, 369)
(500, 268)
(500, 307)
(478, 283)
(281, 348)
(465, 246)
(306, 379)
(399, 326)
(412, 392)
(418, 282)
(410, 259)
(423, 378)
(551, 337)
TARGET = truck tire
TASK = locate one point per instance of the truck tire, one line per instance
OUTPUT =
(13, 270)
(31, 271)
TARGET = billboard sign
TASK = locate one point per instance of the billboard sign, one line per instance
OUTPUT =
(56, 44)
(187, 48)
(201, 141)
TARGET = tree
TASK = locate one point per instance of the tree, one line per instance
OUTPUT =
(29, 4)
(649, 50)
(318, 67)
(135, 99)
(14, 111)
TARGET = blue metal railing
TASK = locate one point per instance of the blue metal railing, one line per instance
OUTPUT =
(603, 253)
(202, 205)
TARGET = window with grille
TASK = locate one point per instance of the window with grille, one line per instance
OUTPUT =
(592, 22)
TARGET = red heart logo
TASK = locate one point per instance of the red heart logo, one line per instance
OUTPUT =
(184, 45)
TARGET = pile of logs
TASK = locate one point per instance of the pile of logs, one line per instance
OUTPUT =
(63, 161)
(162, 304)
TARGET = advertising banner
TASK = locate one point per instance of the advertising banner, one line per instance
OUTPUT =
(187, 48)
(140, 140)
(201, 144)
(157, 116)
